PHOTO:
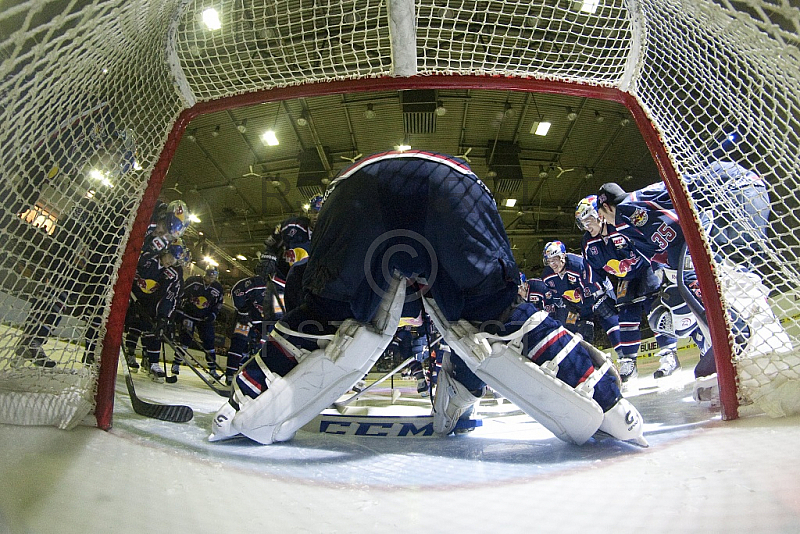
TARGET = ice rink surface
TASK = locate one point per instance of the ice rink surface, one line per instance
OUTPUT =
(700, 474)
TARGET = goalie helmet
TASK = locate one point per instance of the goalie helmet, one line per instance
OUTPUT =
(554, 249)
(176, 218)
(586, 208)
(178, 252)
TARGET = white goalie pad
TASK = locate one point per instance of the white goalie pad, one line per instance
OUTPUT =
(322, 376)
(569, 413)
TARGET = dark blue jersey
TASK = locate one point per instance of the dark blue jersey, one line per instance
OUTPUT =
(612, 255)
(155, 287)
(540, 295)
(647, 218)
(574, 286)
(248, 297)
(200, 300)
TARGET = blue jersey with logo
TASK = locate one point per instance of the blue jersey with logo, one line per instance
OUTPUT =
(201, 300)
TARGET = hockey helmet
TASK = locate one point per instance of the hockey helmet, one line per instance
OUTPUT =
(212, 273)
(586, 208)
(522, 278)
(554, 249)
(178, 252)
(315, 203)
(176, 218)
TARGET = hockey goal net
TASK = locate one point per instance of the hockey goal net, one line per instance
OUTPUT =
(95, 96)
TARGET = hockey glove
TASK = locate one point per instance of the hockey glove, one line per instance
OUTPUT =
(604, 307)
(268, 264)
(163, 328)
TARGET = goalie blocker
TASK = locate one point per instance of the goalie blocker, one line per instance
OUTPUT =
(572, 414)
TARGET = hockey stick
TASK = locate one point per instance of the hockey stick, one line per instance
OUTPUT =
(169, 379)
(340, 405)
(199, 364)
(173, 413)
(188, 359)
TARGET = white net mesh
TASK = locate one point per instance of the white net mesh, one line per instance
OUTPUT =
(90, 93)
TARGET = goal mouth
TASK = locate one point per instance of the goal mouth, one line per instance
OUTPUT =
(95, 111)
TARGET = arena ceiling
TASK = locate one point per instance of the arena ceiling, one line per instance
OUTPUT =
(240, 187)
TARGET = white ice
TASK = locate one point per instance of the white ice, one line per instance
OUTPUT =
(700, 474)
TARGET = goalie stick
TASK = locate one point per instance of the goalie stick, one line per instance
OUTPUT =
(188, 359)
(341, 405)
(172, 413)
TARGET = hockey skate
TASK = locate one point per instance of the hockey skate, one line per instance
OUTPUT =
(156, 373)
(35, 353)
(221, 424)
(706, 389)
(627, 369)
(668, 363)
(452, 401)
(133, 365)
(176, 368)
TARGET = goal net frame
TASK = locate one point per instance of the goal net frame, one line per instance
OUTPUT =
(402, 56)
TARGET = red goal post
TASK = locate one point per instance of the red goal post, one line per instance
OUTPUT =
(687, 72)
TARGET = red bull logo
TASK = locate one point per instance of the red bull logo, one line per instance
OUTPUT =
(573, 295)
(619, 268)
(200, 303)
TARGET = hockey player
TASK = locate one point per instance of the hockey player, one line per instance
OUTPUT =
(167, 225)
(610, 255)
(541, 296)
(648, 220)
(581, 296)
(201, 302)
(248, 300)
(426, 217)
(157, 285)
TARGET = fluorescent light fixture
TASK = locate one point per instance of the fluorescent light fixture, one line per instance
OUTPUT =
(211, 19)
(210, 261)
(306, 206)
(194, 218)
(511, 202)
(96, 175)
(590, 6)
(269, 138)
(540, 127)
(241, 257)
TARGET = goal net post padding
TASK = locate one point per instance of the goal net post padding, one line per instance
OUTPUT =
(96, 97)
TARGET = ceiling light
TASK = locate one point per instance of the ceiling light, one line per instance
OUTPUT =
(302, 120)
(624, 122)
(571, 115)
(269, 138)
(628, 178)
(194, 218)
(508, 111)
(192, 137)
(589, 174)
(542, 173)
(215, 133)
(210, 261)
(511, 202)
(440, 109)
(211, 19)
(370, 112)
(406, 145)
(598, 117)
(242, 126)
(491, 174)
(540, 127)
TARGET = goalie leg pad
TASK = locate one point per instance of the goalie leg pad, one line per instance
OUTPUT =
(322, 376)
(452, 400)
(571, 415)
